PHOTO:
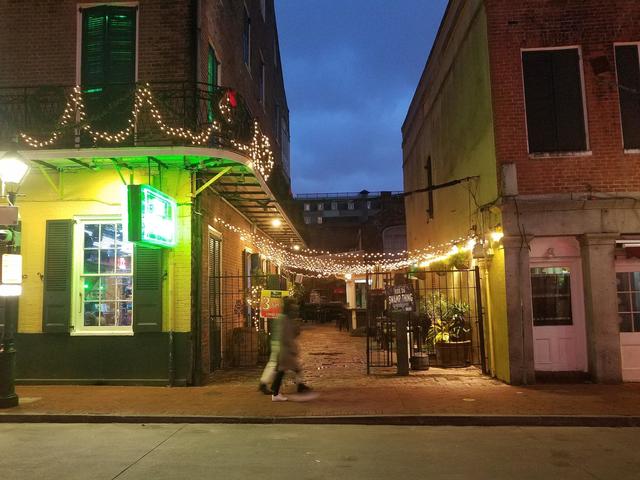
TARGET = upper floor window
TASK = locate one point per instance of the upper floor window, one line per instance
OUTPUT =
(307, 207)
(108, 46)
(261, 81)
(628, 70)
(212, 81)
(263, 9)
(246, 39)
(554, 101)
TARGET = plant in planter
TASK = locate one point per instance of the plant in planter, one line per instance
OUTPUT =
(460, 260)
(439, 267)
(448, 330)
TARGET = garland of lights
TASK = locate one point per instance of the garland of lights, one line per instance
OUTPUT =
(259, 150)
(340, 264)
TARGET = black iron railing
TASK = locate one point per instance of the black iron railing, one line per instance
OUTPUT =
(156, 114)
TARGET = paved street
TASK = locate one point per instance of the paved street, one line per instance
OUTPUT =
(111, 451)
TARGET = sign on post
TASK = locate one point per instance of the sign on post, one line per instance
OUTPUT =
(400, 298)
(11, 275)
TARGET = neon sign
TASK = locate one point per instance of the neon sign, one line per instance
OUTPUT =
(151, 216)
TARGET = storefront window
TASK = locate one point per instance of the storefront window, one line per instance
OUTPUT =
(104, 263)
(551, 296)
(629, 301)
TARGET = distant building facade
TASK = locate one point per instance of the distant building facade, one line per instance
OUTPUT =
(365, 221)
(537, 104)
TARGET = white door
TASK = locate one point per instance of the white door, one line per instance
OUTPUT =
(559, 333)
(628, 280)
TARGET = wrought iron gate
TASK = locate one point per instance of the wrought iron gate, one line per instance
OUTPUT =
(447, 325)
(237, 336)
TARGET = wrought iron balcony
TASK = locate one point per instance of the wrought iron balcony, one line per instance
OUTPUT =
(157, 114)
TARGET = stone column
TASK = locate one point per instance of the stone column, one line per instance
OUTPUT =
(519, 310)
(601, 306)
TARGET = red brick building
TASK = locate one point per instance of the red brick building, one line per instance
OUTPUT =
(536, 104)
(186, 96)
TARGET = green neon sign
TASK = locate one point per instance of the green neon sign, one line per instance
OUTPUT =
(151, 216)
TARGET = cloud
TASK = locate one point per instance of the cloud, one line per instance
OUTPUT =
(351, 68)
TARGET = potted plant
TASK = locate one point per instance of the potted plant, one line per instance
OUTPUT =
(460, 260)
(448, 330)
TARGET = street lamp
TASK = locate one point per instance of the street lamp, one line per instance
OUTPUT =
(13, 169)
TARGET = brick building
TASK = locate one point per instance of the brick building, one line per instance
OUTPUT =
(343, 222)
(535, 106)
(186, 97)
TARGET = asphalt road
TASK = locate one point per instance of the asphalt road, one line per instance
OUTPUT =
(109, 451)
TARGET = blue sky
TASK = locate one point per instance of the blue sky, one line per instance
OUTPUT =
(351, 68)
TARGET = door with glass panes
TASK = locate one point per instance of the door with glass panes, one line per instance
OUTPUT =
(559, 335)
(628, 283)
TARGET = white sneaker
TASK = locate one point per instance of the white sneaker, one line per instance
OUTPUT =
(278, 398)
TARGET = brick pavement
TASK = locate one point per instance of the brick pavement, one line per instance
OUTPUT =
(336, 367)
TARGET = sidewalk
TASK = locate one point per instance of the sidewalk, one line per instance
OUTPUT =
(336, 368)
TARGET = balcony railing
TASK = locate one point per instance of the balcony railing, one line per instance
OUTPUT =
(156, 114)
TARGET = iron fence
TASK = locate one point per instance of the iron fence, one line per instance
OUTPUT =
(446, 325)
(39, 111)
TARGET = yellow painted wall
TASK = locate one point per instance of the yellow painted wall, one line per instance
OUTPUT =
(495, 293)
(87, 192)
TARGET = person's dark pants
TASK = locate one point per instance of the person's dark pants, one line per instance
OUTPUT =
(277, 382)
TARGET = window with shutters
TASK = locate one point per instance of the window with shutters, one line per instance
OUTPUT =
(215, 259)
(212, 81)
(554, 101)
(628, 71)
(246, 39)
(103, 271)
(108, 69)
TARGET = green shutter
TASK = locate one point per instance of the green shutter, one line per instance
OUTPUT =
(212, 82)
(58, 259)
(147, 290)
(121, 36)
(94, 40)
(108, 46)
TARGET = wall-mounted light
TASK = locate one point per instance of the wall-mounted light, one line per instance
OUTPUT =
(347, 276)
(497, 234)
(296, 248)
(276, 222)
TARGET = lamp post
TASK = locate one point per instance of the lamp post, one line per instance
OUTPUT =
(13, 169)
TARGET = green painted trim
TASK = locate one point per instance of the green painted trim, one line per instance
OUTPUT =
(141, 359)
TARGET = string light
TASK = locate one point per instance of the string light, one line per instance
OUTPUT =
(74, 114)
(354, 263)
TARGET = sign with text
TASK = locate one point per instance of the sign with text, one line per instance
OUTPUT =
(151, 216)
(272, 302)
(400, 298)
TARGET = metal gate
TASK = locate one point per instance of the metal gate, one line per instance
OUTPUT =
(237, 336)
(446, 327)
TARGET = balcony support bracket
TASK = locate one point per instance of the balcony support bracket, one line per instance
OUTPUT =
(56, 188)
(211, 181)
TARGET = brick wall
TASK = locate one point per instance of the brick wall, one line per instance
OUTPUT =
(595, 26)
(39, 41)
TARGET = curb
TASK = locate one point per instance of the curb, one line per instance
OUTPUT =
(391, 420)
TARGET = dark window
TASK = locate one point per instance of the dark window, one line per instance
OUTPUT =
(108, 64)
(429, 168)
(553, 97)
(212, 81)
(551, 296)
(629, 301)
(261, 82)
(628, 68)
(246, 39)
